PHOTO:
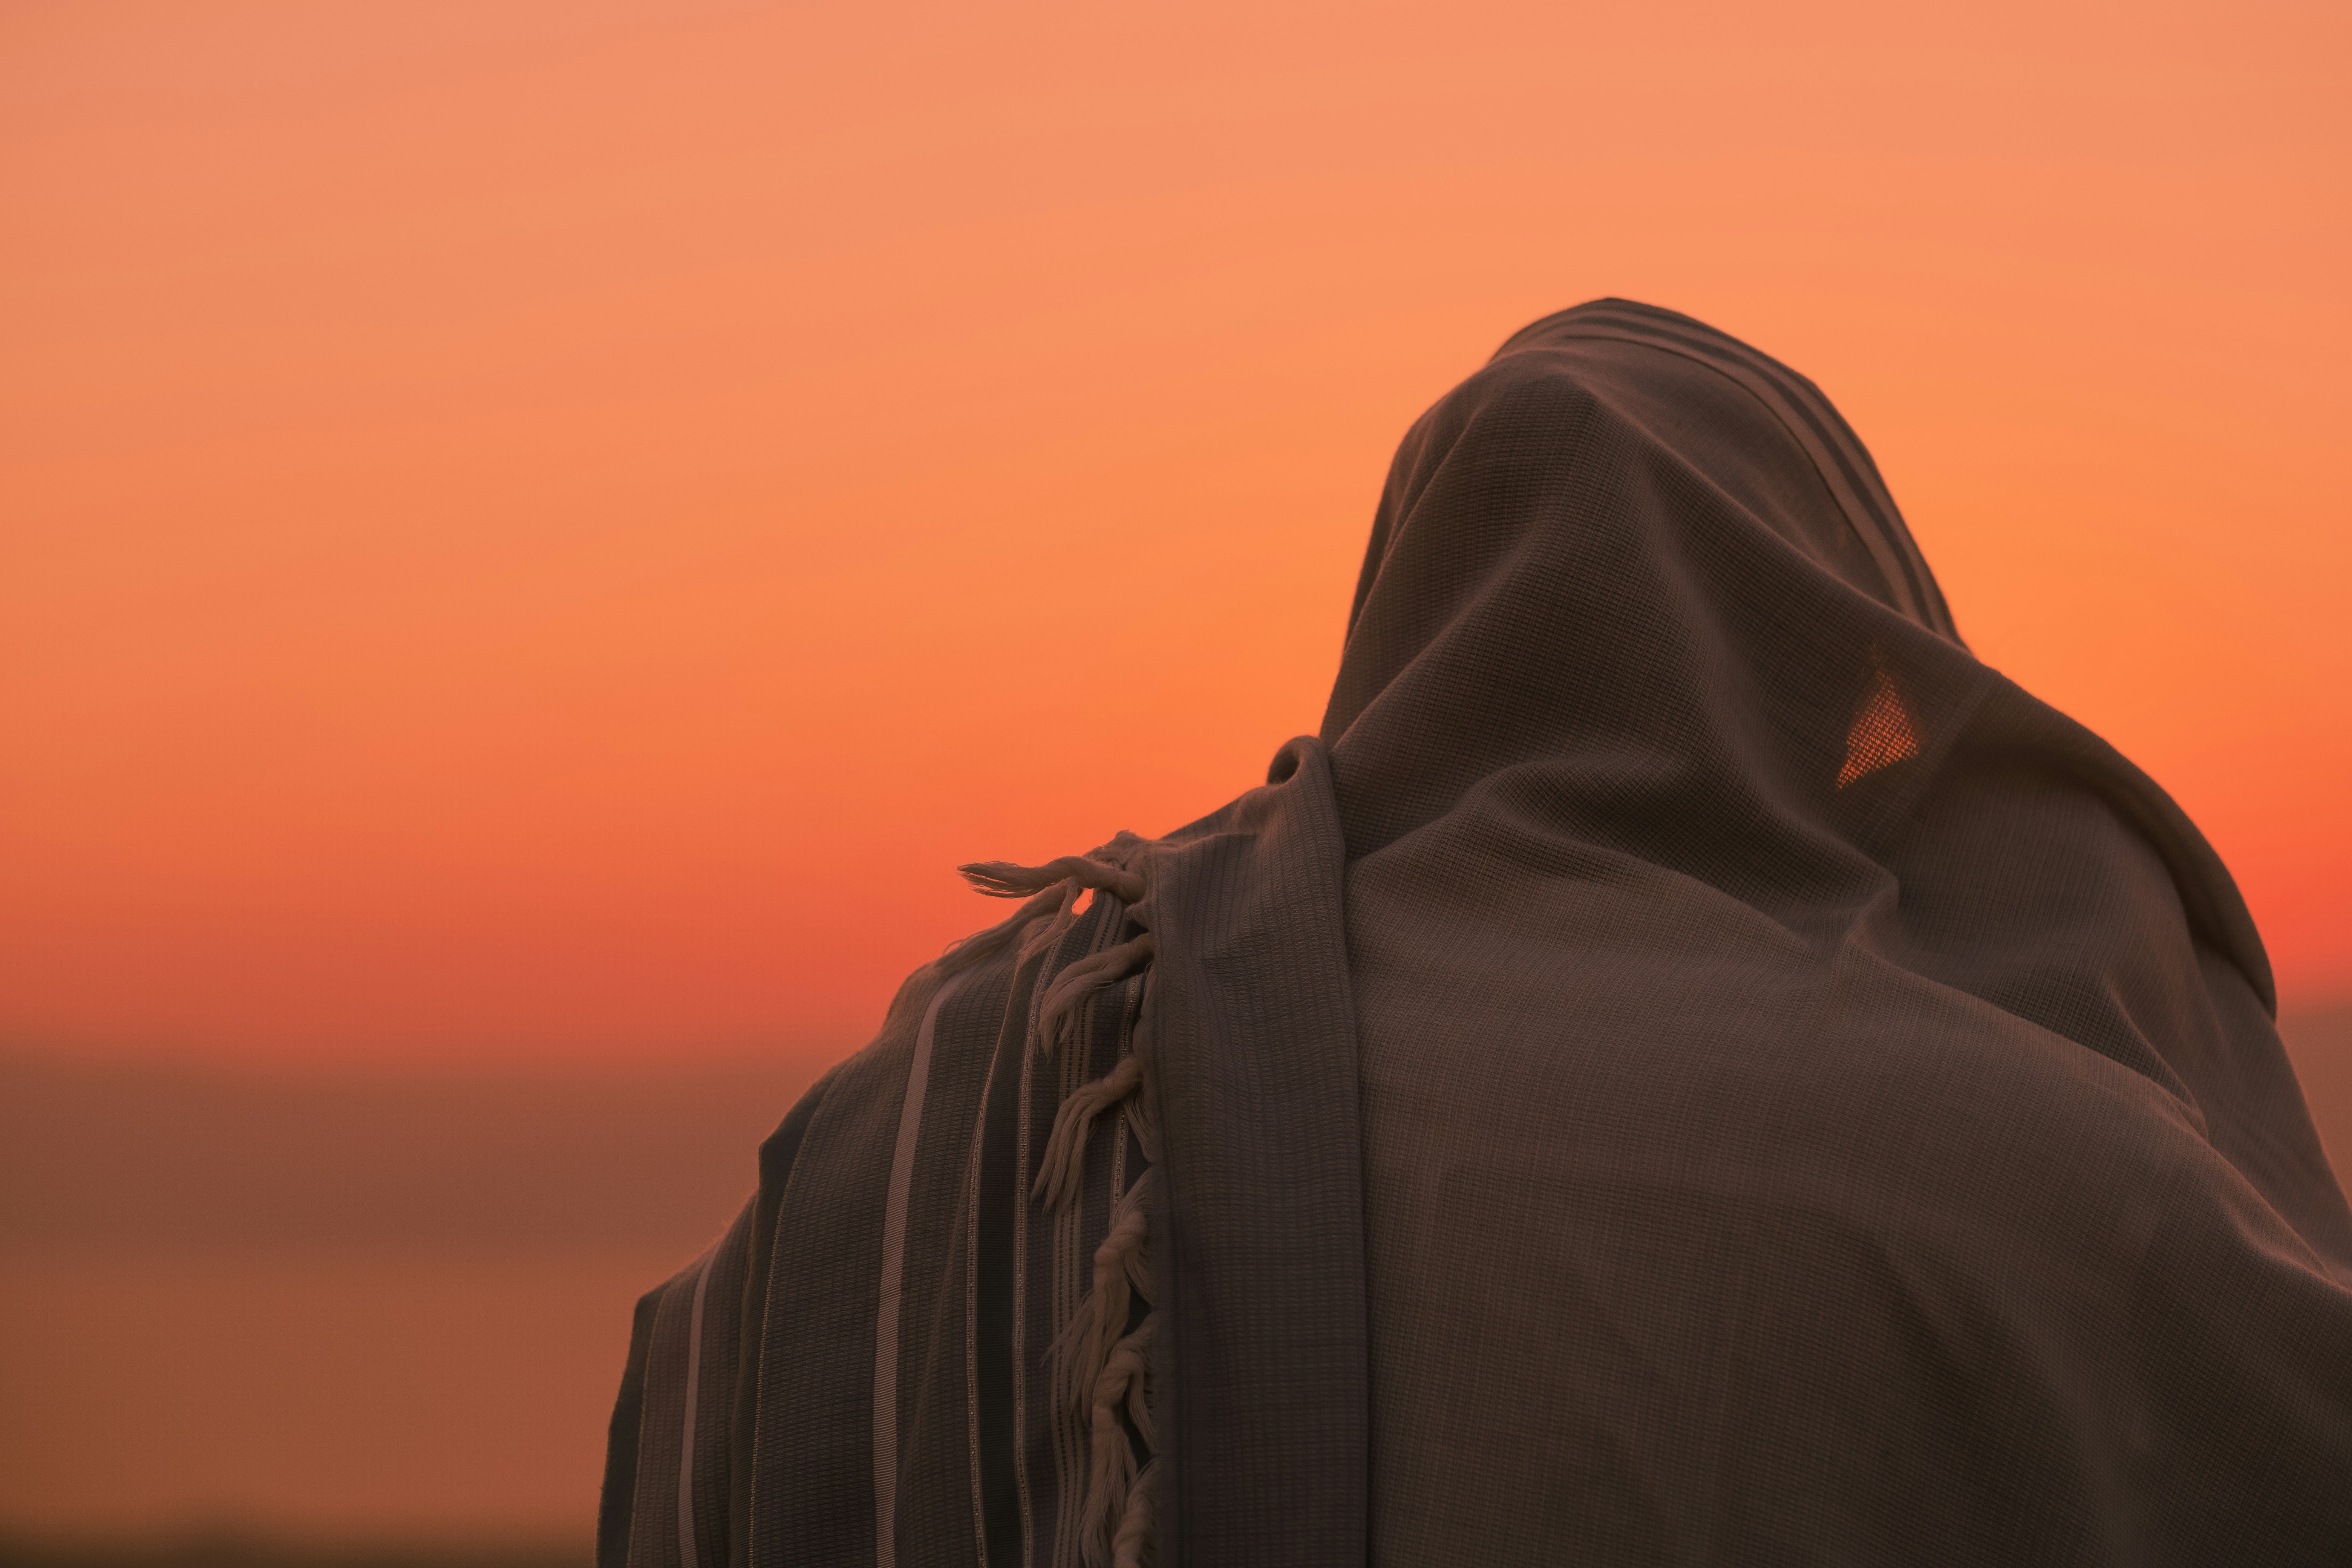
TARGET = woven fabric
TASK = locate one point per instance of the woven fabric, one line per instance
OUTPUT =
(1819, 1103)
(1688, 1067)
(984, 1464)
(1260, 1236)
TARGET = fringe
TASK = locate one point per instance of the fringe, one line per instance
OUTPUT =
(1132, 1547)
(1122, 1270)
(1101, 1368)
(917, 988)
(1003, 880)
(980, 946)
(1113, 1472)
(1048, 932)
(1057, 1014)
(1058, 1172)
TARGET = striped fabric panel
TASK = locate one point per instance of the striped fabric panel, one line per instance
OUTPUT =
(678, 1517)
(889, 1297)
(812, 1464)
(858, 1372)
(995, 1205)
(653, 1541)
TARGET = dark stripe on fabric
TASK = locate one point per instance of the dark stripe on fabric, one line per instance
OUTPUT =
(1803, 396)
(686, 1555)
(1031, 1485)
(1838, 439)
(1899, 580)
(812, 1461)
(715, 1389)
(813, 1465)
(1837, 456)
(1861, 475)
(653, 1530)
(1028, 1365)
(616, 1506)
(778, 1156)
(1931, 590)
(894, 1259)
(938, 1497)
(998, 1193)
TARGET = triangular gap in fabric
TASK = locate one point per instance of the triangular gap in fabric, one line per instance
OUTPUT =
(1883, 733)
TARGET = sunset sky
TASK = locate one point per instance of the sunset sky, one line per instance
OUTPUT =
(538, 533)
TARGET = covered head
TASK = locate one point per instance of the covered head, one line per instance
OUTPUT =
(1812, 1092)
(1636, 595)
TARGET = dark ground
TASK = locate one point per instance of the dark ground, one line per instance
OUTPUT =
(230, 1549)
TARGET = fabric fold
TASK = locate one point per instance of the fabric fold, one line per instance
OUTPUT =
(1266, 1370)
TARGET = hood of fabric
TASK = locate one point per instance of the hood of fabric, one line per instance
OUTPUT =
(1490, 534)
(1738, 421)
(1655, 565)
(1634, 589)
(1778, 1037)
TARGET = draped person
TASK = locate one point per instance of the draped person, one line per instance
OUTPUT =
(1688, 1066)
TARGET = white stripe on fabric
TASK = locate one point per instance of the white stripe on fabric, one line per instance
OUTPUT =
(894, 1259)
(693, 1389)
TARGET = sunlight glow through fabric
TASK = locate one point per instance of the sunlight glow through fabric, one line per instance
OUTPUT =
(1883, 733)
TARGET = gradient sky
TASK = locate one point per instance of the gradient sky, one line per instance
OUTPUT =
(540, 532)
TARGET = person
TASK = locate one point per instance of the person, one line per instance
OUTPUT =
(1688, 1066)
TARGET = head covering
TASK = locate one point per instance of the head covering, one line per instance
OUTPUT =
(1818, 1101)
(1689, 1065)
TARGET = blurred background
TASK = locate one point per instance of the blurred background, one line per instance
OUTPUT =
(533, 535)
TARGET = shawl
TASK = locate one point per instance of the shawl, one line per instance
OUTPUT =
(1688, 1066)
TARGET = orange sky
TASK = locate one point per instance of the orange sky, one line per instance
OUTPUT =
(540, 531)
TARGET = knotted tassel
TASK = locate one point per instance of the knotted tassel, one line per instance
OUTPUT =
(1100, 1369)
(1138, 1374)
(1003, 880)
(1122, 1270)
(1058, 1172)
(1131, 1547)
(1112, 1467)
(1059, 1009)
